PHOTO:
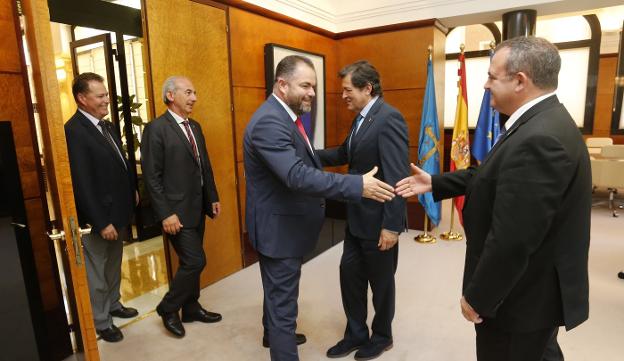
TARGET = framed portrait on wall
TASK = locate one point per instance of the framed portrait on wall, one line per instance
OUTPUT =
(617, 121)
(313, 122)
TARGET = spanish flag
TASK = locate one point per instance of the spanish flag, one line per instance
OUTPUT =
(460, 146)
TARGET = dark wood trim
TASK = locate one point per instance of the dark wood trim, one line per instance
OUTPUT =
(494, 30)
(577, 44)
(469, 54)
(8, 72)
(592, 72)
(386, 28)
(609, 55)
(618, 92)
(215, 4)
(97, 14)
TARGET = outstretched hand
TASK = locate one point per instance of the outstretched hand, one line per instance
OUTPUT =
(375, 189)
(418, 183)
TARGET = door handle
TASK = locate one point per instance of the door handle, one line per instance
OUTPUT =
(19, 225)
(56, 235)
(76, 233)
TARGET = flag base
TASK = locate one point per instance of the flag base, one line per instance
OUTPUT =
(451, 236)
(425, 238)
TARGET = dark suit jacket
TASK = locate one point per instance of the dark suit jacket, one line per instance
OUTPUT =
(381, 141)
(103, 187)
(173, 176)
(527, 220)
(286, 187)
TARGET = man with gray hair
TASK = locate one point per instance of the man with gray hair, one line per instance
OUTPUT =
(178, 177)
(527, 211)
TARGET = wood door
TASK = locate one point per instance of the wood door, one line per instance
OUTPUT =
(188, 38)
(39, 40)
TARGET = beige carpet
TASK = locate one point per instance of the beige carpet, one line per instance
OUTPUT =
(428, 325)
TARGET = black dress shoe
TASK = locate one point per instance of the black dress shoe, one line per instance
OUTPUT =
(110, 334)
(171, 321)
(343, 348)
(201, 316)
(372, 350)
(300, 338)
(125, 312)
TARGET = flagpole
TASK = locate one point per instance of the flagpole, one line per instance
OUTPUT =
(450, 235)
(425, 238)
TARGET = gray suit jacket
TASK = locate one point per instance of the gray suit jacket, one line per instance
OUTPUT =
(172, 175)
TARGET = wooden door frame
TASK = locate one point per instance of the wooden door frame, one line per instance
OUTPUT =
(39, 38)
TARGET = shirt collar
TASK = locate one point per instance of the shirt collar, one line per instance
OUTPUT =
(518, 113)
(91, 118)
(292, 114)
(176, 117)
(368, 106)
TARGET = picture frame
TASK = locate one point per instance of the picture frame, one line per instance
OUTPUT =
(617, 120)
(313, 122)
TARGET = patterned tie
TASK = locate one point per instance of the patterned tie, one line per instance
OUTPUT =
(302, 131)
(191, 139)
(109, 140)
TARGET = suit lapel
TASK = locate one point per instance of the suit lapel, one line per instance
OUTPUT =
(183, 138)
(366, 123)
(99, 137)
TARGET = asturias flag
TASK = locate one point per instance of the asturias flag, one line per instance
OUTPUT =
(428, 152)
(487, 129)
(460, 147)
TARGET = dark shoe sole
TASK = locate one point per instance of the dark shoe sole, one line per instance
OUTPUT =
(189, 320)
(375, 356)
(120, 315)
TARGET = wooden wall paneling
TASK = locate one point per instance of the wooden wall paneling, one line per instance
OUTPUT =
(249, 33)
(246, 101)
(604, 95)
(9, 56)
(439, 61)
(333, 101)
(190, 39)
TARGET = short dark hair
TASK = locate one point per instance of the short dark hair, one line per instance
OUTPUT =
(362, 73)
(80, 85)
(536, 57)
(286, 67)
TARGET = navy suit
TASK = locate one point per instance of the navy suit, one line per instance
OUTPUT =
(285, 209)
(381, 140)
(104, 194)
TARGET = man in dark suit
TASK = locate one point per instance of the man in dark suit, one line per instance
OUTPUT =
(527, 211)
(285, 197)
(178, 177)
(104, 190)
(378, 135)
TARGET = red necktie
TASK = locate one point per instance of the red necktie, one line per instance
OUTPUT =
(191, 139)
(302, 131)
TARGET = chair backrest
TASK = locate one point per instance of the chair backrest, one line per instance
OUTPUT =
(615, 151)
(598, 141)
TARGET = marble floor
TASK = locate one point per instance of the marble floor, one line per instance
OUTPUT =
(428, 325)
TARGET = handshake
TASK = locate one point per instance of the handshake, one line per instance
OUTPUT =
(419, 182)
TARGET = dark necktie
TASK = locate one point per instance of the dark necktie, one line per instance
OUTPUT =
(189, 134)
(501, 135)
(358, 123)
(302, 131)
(109, 140)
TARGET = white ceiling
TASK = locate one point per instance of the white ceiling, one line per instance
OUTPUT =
(346, 15)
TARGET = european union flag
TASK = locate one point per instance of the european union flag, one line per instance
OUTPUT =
(428, 152)
(487, 129)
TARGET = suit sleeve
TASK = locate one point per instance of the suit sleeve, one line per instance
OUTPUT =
(528, 193)
(273, 142)
(83, 179)
(334, 156)
(153, 162)
(449, 185)
(394, 158)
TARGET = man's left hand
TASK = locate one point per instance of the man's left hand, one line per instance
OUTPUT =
(387, 240)
(469, 313)
(216, 209)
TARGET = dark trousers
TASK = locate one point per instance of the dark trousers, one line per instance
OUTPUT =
(184, 287)
(553, 351)
(494, 344)
(280, 281)
(363, 263)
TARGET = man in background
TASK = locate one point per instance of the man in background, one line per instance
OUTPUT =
(179, 180)
(104, 191)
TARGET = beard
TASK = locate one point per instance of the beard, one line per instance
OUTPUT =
(298, 106)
